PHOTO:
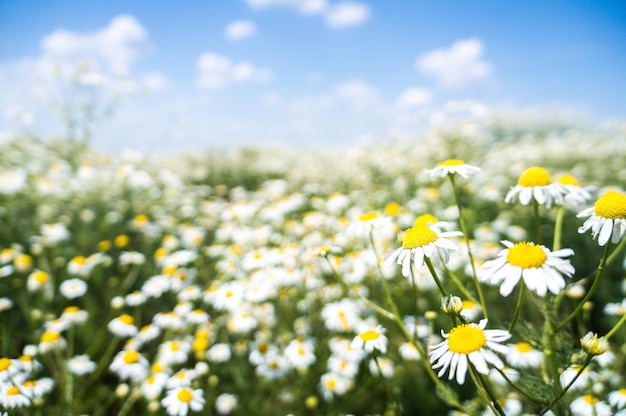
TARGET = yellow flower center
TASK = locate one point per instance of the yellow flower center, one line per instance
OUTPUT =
(534, 176)
(131, 357)
(127, 319)
(174, 346)
(468, 304)
(368, 217)
(590, 399)
(80, 260)
(392, 208)
(4, 363)
(611, 205)
(526, 255)
(465, 339)
(71, 309)
(418, 237)
(369, 335)
(41, 277)
(185, 395)
(425, 219)
(12, 391)
(568, 180)
(331, 383)
(30, 383)
(523, 347)
(121, 240)
(50, 336)
(451, 162)
(622, 391)
(104, 245)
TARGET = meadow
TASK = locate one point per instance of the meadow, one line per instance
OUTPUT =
(477, 269)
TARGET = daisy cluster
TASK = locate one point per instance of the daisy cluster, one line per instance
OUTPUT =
(250, 284)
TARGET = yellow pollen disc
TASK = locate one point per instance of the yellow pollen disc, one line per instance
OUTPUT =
(368, 217)
(142, 219)
(30, 383)
(534, 176)
(174, 346)
(262, 347)
(4, 363)
(331, 383)
(425, 219)
(468, 304)
(590, 399)
(40, 277)
(622, 391)
(80, 260)
(451, 162)
(523, 347)
(526, 255)
(568, 180)
(611, 205)
(12, 391)
(392, 208)
(157, 368)
(184, 395)
(71, 309)
(131, 357)
(465, 339)
(418, 237)
(127, 319)
(369, 335)
(50, 336)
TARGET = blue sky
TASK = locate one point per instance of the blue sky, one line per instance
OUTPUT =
(213, 73)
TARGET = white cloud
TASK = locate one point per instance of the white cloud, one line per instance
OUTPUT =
(357, 93)
(117, 45)
(217, 71)
(154, 82)
(302, 6)
(459, 65)
(346, 14)
(413, 98)
(240, 29)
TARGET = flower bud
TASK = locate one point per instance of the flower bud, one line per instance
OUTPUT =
(451, 304)
(594, 345)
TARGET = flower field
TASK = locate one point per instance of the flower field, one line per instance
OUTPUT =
(477, 270)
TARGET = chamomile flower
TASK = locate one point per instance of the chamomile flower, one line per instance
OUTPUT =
(590, 405)
(536, 183)
(179, 401)
(130, 364)
(368, 222)
(452, 167)
(123, 326)
(420, 242)
(11, 397)
(615, 308)
(81, 365)
(371, 339)
(576, 194)
(73, 288)
(334, 384)
(607, 218)
(540, 268)
(226, 403)
(522, 354)
(617, 398)
(468, 344)
(51, 341)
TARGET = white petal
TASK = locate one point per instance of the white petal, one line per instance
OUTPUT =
(461, 370)
(605, 232)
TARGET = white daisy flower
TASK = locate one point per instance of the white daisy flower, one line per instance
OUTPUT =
(590, 405)
(226, 403)
(523, 355)
(540, 268)
(576, 194)
(452, 167)
(179, 401)
(420, 242)
(368, 222)
(371, 339)
(616, 308)
(73, 288)
(468, 344)
(536, 183)
(123, 326)
(130, 365)
(617, 398)
(607, 218)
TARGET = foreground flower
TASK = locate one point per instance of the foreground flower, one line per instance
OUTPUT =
(468, 344)
(593, 344)
(590, 405)
(607, 218)
(452, 167)
(419, 242)
(180, 400)
(540, 268)
(536, 183)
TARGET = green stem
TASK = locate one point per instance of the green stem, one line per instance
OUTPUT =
(518, 307)
(479, 289)
(558, 229)
(591, 290)
(433, 272)
(391, 404)
(615, 328)
(537, 221)
(484, 393)
(519, 389)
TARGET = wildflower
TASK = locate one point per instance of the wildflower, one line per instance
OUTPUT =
(594, 345)
(73, 315)
(219, 353)
(408, 351)
(452, 167)
(342, 366)
(129, 364)
(368, 222)
(123, 326)
(173, 352)
(471, 310)
(607, 218)
(182, 378)
(50, 341)
(540, 268)
(38, 280)
(468, 343)
(536, 183)
(576, 194)
(225, 403)
(420, 242)
(615, 308)
(590, 405)
(371, 339)
(300, 352)
(522, 354)
(567, 376)
(381, 366)
(11, 397)
(152, 387)
(73, 288)
(23, 262)
(617, 398)
(179, 401)
(81, 365)
(331, 384)
(341, 316)
(451, 305)
(35, 389)
(274, 367)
